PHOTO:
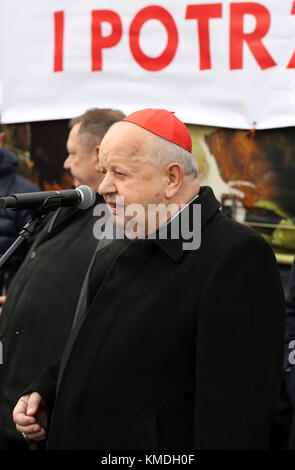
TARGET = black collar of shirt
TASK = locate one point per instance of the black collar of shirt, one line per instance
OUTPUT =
(173, 247)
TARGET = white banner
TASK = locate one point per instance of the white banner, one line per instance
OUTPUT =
(220, 63)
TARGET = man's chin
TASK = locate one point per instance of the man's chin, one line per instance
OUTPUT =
(118, 219)
(127, 224)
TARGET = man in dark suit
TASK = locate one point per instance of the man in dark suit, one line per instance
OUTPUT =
(38, 313)
(180, 344)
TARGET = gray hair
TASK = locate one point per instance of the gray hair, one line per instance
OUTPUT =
(166, 152)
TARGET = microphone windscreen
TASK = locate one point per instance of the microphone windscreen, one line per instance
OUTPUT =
(87, 196)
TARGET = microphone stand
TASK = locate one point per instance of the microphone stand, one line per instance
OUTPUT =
(51, 203)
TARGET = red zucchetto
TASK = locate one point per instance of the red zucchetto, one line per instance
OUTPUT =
(164, 124)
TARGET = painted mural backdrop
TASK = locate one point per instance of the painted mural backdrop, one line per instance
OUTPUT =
(253, 175)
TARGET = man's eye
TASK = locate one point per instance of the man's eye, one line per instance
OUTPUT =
(119, 174)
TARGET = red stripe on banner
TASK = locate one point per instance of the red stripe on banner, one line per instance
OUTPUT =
(203, 13)
(98, 41)
(58, 40)
(291, 64)
(155, 12)
(254, 39)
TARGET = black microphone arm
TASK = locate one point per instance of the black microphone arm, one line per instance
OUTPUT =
(82, 197)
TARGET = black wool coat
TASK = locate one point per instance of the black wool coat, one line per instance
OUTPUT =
(179, 349)
(38, 313)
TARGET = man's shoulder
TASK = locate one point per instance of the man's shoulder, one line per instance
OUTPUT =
(74, 213)
(224, 238)
(72, 218)
(235, 232)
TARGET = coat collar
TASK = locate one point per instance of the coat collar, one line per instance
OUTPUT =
(173, 247)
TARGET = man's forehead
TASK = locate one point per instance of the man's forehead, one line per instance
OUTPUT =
(115, 161)
(75, 129)
(125, 140)
(73, 132)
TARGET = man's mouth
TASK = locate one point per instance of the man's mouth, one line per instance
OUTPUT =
(115, 208)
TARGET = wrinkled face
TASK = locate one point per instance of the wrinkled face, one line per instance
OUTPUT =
(82, 163)
(126, 173)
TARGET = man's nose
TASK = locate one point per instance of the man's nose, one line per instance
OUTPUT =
(67, 165)
(107, 186)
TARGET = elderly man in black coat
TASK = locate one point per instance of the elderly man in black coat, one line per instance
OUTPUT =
(180, 344)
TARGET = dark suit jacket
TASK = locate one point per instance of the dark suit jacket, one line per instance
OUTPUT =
(38, 314)
(179, 349)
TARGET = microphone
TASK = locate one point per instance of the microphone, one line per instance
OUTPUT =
(82, 197)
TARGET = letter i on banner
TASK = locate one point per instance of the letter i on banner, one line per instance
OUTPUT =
(58, 40)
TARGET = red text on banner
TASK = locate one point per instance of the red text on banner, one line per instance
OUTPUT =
(153, 64)
(254, 39)
(291, 64)
(58, 41)
(203, 13)
(98, 41)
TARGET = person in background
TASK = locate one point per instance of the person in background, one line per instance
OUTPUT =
(38, 313)
(11, 222)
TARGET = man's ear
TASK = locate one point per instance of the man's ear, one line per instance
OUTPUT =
(2, 135)
(96, 150)
(174, 173)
